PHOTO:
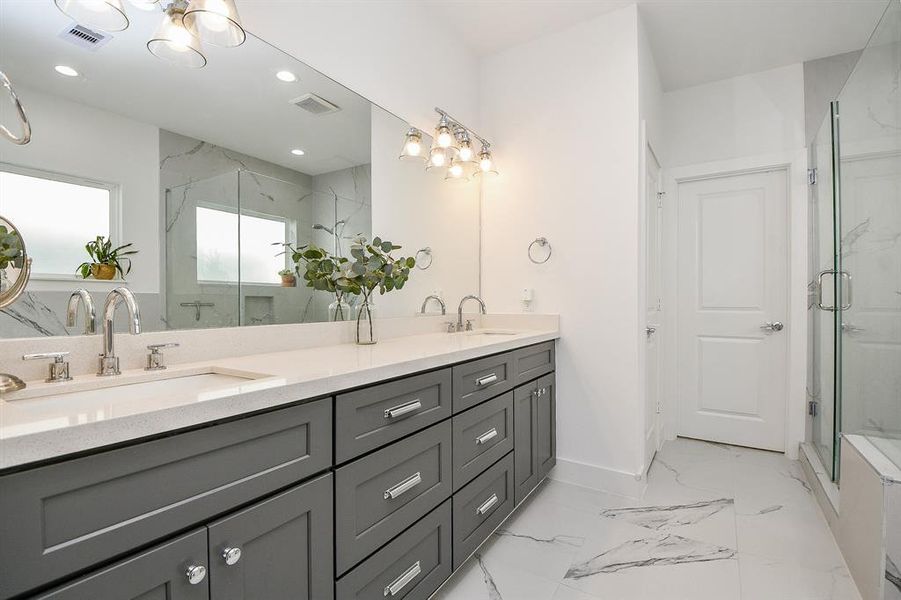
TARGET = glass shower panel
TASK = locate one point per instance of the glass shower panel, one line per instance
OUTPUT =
(870, 217)
(202, 268)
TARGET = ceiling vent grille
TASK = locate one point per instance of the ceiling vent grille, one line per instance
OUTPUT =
(315, 105)
(83, 37)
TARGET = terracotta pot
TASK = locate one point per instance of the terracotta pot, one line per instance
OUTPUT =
(106, 272)
(289, 281)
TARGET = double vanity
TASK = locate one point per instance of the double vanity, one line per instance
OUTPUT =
(274, 476)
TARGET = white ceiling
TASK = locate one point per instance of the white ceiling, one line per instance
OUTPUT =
(235, 101)
(693, 41)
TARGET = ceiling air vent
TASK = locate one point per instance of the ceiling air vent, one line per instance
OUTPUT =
(315, 105)
(84, 37)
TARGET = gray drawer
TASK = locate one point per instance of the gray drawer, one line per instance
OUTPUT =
(479, 380)
(414, 564)
(532, 362)
(480, 507)
(65, 517)
(156, 574)
(380, 495)
(372, 417)
(481, 436)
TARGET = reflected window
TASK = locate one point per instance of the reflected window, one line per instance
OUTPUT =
(57, 215)
(217, 253)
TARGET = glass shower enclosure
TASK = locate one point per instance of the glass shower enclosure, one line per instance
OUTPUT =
(854, 375)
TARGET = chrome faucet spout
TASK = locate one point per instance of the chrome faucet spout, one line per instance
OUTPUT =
(436, 298)
(83, 297)
(460, 309)
(109, 362)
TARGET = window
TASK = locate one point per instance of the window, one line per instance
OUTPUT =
(56, 215)
(217, 253)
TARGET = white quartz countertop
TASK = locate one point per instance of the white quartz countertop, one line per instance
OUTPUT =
(51, 420)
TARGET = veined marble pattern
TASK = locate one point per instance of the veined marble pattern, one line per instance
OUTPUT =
(715, 521)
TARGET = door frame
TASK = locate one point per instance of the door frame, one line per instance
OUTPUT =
(795, 166)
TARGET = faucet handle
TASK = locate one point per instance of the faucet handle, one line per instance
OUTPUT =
(451, 326)
(155, 360)
(468, 325)
(59, 368)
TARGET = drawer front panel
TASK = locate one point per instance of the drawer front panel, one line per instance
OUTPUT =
(481, 436)
(132, 496)
(157, 574)
(479, 380)
(369, 418)
(410, 567)
(281, 547)
(532, 362)
(481, 506)
(380, 495)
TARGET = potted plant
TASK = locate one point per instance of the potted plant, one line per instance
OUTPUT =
(318, 270)
(288, 278)
(106, 261)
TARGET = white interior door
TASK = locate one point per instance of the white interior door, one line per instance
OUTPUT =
(654, 309)
(733, 301)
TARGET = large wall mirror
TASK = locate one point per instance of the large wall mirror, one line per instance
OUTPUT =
(204, 171)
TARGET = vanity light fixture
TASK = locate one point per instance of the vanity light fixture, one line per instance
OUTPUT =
(286, 76)
(298, 152)
(412, 149)
(444, 137)
(438, 157)
(66, 70)
(486, 162)
(108, 15)
(215, 22)
(464, 145)
(173, 43)
(456, 172)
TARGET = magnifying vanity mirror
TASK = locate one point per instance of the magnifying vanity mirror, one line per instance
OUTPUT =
(185, 184)
(15, 267)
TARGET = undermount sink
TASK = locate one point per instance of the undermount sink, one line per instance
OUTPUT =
(491, 332)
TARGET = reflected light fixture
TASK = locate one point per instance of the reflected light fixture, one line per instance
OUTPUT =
(456, 172)
(173, 43)
(66, 70)
(107, 15)
(298, 152)
(412, 149)
(286, 76)
(444, 137)
(438, 157)
(464, 145)
(215, 22)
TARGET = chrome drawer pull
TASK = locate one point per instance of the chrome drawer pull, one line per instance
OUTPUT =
(486, 506)
(402, 409)
(487, 436)
(404, 486)
(486, 379)
(398, 584)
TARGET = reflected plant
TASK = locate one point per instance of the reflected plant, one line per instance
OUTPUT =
(102, 252)
(10, 248)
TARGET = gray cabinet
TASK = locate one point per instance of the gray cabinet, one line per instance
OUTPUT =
(278, 548)
(481, 436)
(69, 516)
(481, 506)
(533, 361)
(164, 572)
(372, 417)
(479, 380)
(534, 414)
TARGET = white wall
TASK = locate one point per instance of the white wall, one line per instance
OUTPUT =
(76, 139)
(565, 110)
(389, 51)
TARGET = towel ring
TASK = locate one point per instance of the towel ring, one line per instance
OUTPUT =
(26, 126)
(427, 251)
(542, 241)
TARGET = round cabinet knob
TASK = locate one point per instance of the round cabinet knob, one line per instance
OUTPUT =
(195, 574)
(231, 555)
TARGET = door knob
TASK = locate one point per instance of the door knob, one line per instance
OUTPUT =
(774, 326)
(650, 330)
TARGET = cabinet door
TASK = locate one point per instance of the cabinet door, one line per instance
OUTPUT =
(161, 573)
(546, 443)
(278, 548)
(525, 422)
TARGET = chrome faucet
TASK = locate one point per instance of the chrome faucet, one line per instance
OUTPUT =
(109, 362)
(460, 311)
(438, 299)
(81, 296)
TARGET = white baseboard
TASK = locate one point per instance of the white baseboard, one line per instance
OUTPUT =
(599, 478)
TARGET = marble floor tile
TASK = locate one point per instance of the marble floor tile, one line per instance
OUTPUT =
(715, 521)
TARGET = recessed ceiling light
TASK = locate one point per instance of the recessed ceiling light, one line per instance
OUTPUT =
(66, 70)
(297, 152)
(286, 76)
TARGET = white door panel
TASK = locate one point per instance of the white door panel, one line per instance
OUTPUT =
(733, 275)
(653, 312)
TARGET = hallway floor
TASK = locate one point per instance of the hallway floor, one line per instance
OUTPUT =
(716, 522)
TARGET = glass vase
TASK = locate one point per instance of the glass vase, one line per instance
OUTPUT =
(339, 310)
(365, 316)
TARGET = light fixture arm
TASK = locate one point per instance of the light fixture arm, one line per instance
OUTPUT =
(455, 122)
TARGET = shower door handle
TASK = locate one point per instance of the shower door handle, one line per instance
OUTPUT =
(842, 274)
